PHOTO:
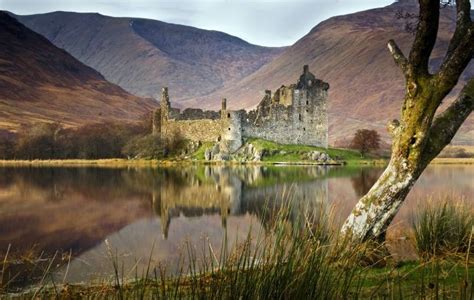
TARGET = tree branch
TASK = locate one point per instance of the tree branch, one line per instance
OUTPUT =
(460, 57)
(463, 21)
(398, 56)
(425, 37)
(446, 124)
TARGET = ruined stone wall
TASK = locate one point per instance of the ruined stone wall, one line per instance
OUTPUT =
(303, 122)
(195, 130)
(296, 114)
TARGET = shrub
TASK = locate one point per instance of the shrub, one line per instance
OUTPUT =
(7, 144)
(52, 141)
(38, 141)
(365, 140)
(174, 141)
(443, 228)
(148, 146)
(100, 140)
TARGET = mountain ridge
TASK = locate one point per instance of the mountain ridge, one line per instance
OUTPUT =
(143, 55)
(40, 82)
(349, 52)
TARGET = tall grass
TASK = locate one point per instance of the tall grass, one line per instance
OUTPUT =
(302, 258)
(444, 228)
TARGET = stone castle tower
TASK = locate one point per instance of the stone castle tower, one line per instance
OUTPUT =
(294, 114)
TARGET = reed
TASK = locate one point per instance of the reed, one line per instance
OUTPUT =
(443, 228)
(294, 259)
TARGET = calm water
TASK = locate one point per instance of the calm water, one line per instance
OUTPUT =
(87, 210)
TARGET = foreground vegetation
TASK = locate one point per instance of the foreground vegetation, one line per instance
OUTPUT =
(302, 259)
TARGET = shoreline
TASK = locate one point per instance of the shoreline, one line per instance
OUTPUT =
(154, 163)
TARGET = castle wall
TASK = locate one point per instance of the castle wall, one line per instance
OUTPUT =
(197, 130)
(296, 114)
(303, 122)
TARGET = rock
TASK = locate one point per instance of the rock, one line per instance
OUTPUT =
(317, 156)
(257, 156)
(250, 148)
(249, 153)
(208, 154)
(221, 156)
(215, 150)
(323, 157)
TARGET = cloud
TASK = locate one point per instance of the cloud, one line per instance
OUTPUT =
(263, 22)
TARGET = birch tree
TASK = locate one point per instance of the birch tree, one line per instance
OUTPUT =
(419, 135)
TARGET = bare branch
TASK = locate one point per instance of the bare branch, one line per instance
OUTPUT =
(446, 125)
(460, 57)
(398, 56)
(425, 37)
(463, 21)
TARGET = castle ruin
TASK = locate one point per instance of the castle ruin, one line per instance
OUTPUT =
(294, 114)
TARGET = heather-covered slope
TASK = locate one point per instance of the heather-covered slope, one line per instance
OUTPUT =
(40, 82)
(349, 52)
(144, 55)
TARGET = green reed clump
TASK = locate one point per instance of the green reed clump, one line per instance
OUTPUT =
(444, 228)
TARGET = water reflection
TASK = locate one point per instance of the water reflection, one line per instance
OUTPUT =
(366, 178)
(50, 209)
(238, 191)
(39, 205)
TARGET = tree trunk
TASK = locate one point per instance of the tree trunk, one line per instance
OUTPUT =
(374, 212)
(419, 136)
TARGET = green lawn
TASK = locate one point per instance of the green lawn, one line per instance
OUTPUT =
(295, 153)
(275, 152)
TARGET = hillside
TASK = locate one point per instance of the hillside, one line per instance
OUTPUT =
(349, 52)
(143, 55)
(40, 82)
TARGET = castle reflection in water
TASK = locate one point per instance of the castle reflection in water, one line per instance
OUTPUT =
(39, 205)
(256, 190)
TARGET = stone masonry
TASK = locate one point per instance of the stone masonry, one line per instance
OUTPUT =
(295, 114)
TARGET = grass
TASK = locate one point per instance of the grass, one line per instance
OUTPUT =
(112, 162)
(199, 154)
(444, 228)
(276, 152)
(304, 259)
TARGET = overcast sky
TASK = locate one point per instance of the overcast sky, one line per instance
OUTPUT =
(262, 22)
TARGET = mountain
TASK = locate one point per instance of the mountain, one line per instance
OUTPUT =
(40, 82)
(350, 53)
(144, 55)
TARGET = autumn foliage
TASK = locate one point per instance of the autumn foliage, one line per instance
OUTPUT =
(365, 140)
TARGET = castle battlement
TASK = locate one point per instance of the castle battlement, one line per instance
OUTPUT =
(294, 114)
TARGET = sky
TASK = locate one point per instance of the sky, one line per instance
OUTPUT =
(261, 22)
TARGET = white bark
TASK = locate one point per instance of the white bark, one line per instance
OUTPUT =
(374, 212)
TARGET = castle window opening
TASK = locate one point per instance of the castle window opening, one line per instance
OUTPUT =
(228, 115)
(304, 129)
(307, 102)
(229, 128)
(299, 117)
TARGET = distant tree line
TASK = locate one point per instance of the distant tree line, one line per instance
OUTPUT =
(90, 141)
